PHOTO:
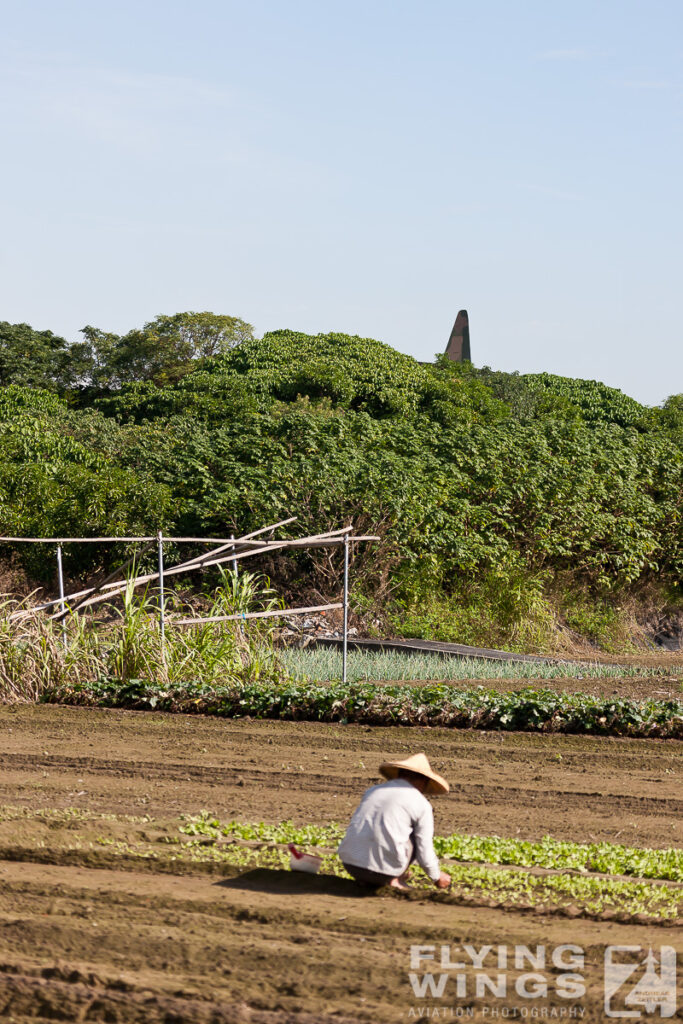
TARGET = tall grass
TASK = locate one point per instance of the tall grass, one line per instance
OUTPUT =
(37, 659)
(382, 666)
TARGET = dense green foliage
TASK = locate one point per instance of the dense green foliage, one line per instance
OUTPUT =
(485, 487)
(368, 704)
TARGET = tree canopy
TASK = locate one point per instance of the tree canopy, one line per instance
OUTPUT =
(162, 351)
(33, 358)
(465, 469)
(476, 480)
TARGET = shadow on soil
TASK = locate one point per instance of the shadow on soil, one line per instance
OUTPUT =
(298, 882)
(293, 883)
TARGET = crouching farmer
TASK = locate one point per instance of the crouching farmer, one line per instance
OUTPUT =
(394, 825)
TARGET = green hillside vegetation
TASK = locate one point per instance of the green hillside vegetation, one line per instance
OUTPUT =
(507, 505)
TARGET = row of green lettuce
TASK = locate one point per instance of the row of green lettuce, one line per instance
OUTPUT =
(584, 895)
(440, 705)
(604, 858)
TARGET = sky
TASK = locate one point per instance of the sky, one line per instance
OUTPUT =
(365, 167)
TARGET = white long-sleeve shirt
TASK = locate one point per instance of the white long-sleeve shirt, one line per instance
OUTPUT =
(391, 820)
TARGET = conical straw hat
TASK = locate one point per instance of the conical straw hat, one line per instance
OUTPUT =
(417, 763)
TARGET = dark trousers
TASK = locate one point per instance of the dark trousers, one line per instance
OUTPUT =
(375, 879)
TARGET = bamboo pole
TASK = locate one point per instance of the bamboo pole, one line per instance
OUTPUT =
(254, 547)
(199, 559)
(321, 540)
(224, 545)
(71, 540)
(277, 613)
(93, 590)
(111, 540)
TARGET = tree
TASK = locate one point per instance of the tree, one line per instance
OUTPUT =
(162, 351)
(33, 358)
(95, 358)
(671, 413)
(201, 335)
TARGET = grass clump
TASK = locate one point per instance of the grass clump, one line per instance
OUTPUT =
(507, 608)
(38, 661)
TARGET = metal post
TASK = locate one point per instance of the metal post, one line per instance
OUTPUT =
(60, 577)
(346, 606)
(160, 553)
(234, 561)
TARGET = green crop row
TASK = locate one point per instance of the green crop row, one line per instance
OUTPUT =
(205, 824)
(591, 895)
(606, 858)
(594, 895)
(322, 663)
(367, 704)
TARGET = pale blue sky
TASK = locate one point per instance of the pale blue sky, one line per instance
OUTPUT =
(368, 167)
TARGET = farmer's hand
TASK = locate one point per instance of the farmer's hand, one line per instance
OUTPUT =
(443, 881)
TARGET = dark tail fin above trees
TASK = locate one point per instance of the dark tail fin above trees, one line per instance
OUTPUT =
(458, 347)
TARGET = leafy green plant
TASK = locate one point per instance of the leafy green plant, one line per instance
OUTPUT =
(208, 825)
(526, 710)
(594, 895)
(606, 858)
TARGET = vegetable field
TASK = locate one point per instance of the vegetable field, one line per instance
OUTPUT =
(145, 873)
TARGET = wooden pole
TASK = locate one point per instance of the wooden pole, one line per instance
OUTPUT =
(321, 540)
(197, 562)
(83, 595)
(115, 540)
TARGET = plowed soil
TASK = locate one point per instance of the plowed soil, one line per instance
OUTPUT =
(84, 936)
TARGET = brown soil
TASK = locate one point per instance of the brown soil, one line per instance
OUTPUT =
(671, 661)
(132, 943)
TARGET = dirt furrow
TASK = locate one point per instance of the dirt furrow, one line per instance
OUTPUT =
(80, 940)
(107, 945)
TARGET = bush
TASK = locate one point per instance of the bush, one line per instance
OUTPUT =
(484, 487)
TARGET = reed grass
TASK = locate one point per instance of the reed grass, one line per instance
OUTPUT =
(39, 658)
